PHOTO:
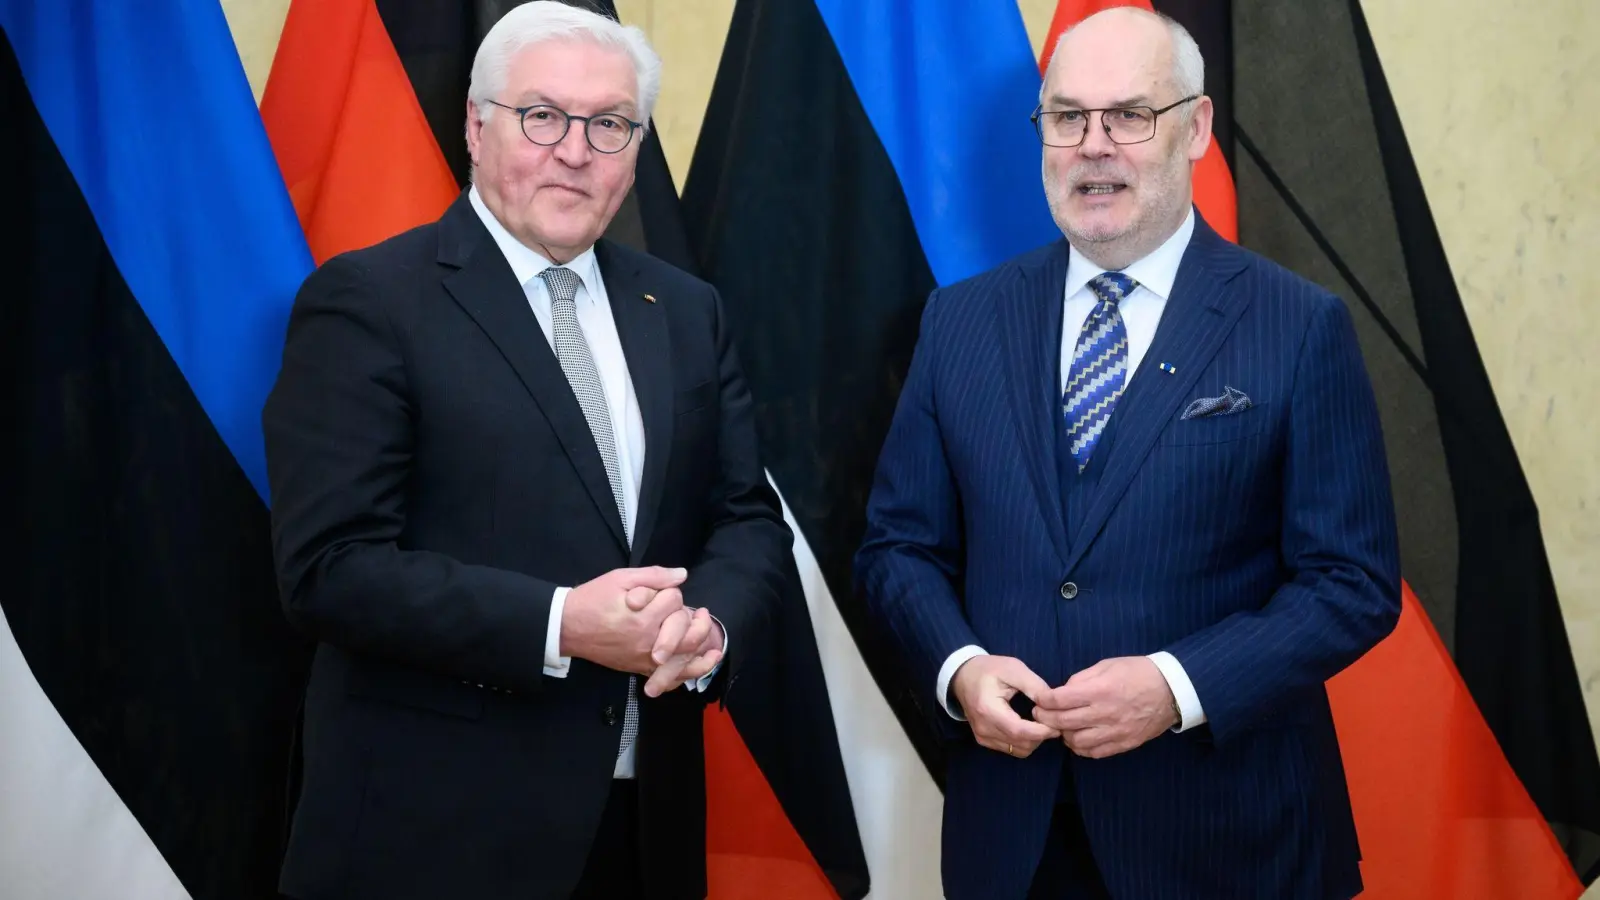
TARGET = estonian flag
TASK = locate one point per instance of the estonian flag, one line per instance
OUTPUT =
(151, 256)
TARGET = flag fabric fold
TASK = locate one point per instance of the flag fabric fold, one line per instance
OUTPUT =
(953, 121)
(347, 131)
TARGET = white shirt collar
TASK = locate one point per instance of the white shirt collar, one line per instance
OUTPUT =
(527, 263)
(1155, 272)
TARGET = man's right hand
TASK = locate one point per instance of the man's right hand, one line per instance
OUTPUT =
(598, 625)
(984, 686)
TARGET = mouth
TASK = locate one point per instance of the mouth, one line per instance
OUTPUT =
(567, 189)
(1101, 188)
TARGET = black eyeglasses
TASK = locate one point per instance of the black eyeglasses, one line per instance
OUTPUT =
(1122, 124)
(547, 126)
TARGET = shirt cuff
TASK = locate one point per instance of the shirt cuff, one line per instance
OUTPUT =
(948, 672)
(556, 665)
(1189, 710)
(699, 684)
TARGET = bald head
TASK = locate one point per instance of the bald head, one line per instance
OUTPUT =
(1130, 37)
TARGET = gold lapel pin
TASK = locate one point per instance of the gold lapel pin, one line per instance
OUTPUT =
(649, 297)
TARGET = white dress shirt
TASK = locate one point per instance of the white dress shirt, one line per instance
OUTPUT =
(1141, 313)
(627, 424)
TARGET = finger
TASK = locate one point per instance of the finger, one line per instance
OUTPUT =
(1075, 719)
(1015, 749)
(664, 603)
(699, 628)
(1003, 723)
(1085, 741)
(665, 677)
(1068, 696)
(1025, 680)
(638, 598)
(652, 577)
(701, 666)
(1023, 731)
(669, 637)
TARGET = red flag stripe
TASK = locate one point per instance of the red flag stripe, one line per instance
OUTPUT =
(356, 152)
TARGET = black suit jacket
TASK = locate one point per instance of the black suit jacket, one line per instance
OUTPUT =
(433, 480)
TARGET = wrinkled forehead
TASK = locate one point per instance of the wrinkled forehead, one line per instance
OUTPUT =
(1091, 72)
(580, 76)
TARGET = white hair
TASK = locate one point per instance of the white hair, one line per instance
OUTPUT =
(545, 20)
(1188, 66)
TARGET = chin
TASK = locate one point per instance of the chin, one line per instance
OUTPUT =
(1098, 230)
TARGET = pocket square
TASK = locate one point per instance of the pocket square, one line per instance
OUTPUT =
(1232, 400)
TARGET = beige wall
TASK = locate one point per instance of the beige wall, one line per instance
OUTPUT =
(1502, 112)
(1503, 115)
(255, 25)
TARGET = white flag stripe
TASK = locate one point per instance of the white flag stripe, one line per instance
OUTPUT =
(64, 833)
(898, 806)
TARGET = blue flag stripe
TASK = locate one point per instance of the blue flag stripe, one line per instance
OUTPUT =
(149, 106)
(948, 86)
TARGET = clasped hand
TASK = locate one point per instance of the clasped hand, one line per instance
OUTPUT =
(634, 620)
(1109, 708)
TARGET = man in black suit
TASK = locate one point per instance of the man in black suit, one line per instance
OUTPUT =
(516, 499)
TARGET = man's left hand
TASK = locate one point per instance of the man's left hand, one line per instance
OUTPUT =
(1111, 707)
(687, 648)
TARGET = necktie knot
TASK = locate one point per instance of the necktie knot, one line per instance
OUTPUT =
(1111, 287)
(561, 282)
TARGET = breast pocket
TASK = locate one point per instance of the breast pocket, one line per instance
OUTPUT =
(1219, 428)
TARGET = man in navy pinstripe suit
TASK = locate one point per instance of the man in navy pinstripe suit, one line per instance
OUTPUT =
(1132, 512)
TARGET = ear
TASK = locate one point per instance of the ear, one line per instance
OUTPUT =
(1200, 128)
(474, 131)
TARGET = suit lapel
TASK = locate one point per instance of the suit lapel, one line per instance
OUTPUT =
(485, 288)
(1198, 317)
(646, 344)
(1030, 330)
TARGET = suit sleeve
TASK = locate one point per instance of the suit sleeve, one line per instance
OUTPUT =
(1339, 547)
(739, 574)
(910, 557)
(340, 446)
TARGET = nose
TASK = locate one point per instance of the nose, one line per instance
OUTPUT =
(1097, 143)
(573, 148)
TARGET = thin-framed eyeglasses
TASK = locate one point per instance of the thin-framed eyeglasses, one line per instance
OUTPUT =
(547, 126)
(1122, 124)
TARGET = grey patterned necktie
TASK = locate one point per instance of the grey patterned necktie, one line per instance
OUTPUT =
(572, 351)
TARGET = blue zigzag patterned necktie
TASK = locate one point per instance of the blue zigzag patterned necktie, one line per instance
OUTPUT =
(1099, 367)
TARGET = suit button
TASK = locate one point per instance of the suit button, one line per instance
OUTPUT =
(1068, 590)
(609, 715)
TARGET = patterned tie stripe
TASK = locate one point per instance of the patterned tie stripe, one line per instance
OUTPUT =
(1099, 367)
(572, 351)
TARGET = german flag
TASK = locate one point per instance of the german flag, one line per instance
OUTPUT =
(1469, 755)
(365, 109)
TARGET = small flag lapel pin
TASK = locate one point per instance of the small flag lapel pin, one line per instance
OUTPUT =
(1169, 368)
(650, 297)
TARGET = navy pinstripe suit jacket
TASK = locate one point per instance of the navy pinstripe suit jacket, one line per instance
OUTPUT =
(1258, 547)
